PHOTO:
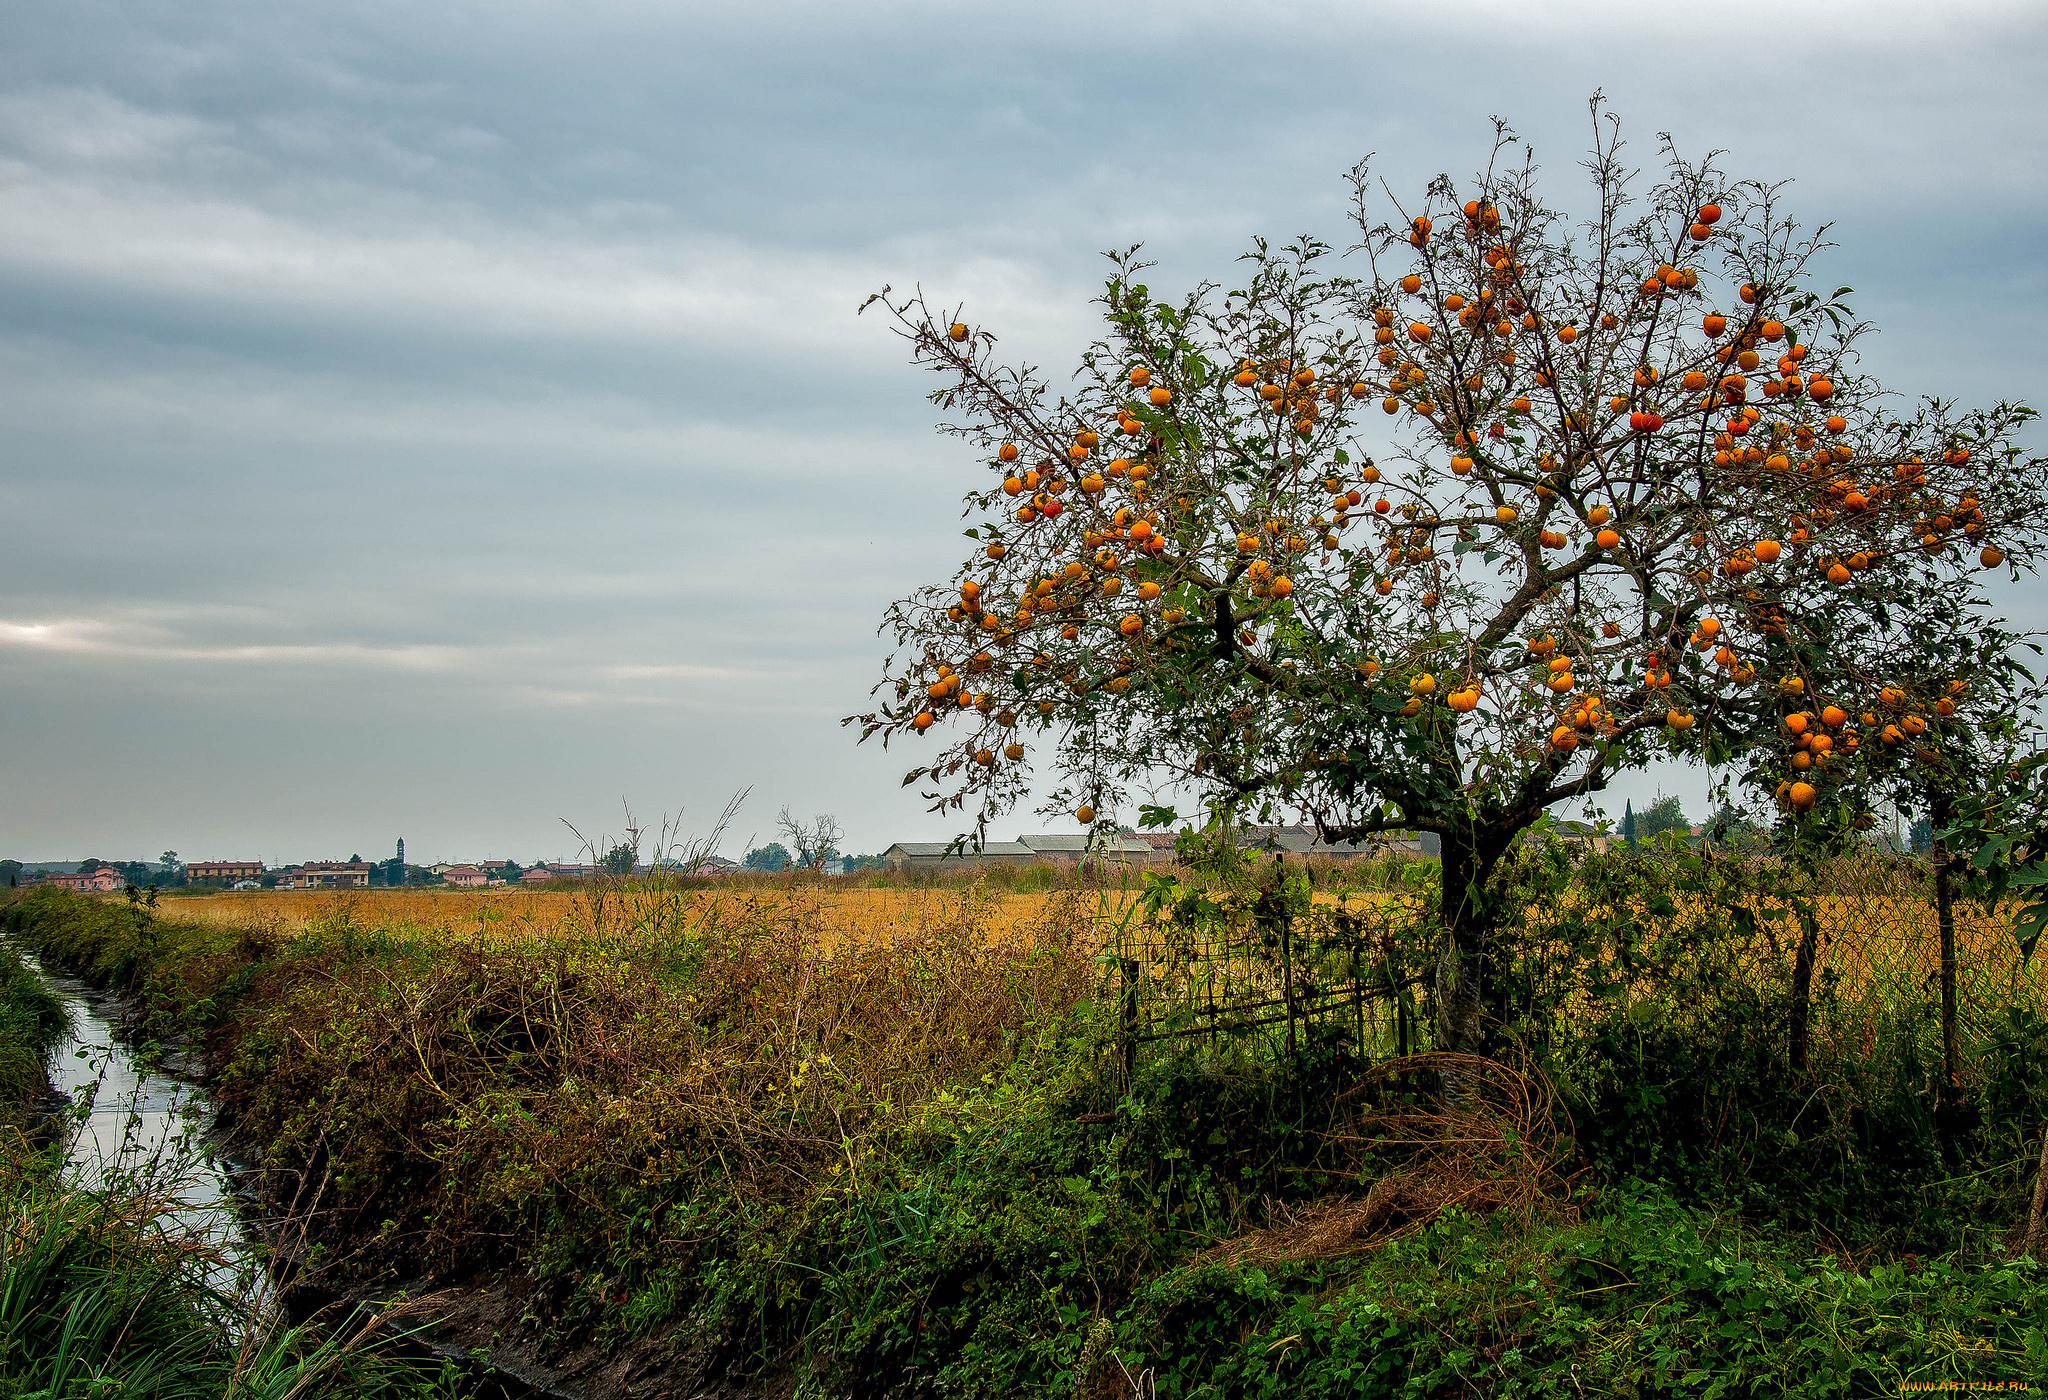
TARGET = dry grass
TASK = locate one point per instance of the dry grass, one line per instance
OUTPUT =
(1493, 1149)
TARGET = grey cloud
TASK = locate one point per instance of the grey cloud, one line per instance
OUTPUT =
(448, 418)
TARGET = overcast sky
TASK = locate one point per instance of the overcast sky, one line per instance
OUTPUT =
(440, 419)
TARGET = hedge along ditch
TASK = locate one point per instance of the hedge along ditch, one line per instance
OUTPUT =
(909, 1166)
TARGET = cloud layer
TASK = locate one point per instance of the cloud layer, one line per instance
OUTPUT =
(442, 420)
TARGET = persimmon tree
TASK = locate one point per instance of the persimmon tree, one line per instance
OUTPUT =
(1438, 532)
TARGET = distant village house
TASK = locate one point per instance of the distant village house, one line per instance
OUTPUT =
(326, 875)
(225, 871)
(101, 881)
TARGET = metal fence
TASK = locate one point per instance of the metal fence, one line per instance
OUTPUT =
(1842, 949)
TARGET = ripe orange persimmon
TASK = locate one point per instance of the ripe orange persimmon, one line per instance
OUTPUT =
(1607, 539)
(1992, 556)
(1161, 396)
(1084, 814)
(1007, 452)
(957, 331)
(1767, 551)
(1140, 376)
(1802, 796)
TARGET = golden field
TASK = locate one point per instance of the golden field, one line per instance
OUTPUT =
(832, 916)
(1876, 930)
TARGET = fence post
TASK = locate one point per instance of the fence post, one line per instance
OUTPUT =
(1127, 1020)
(1357, 995)
(1287, 974)
(1945, 920)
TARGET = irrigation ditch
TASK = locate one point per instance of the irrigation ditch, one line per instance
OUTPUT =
(129, 1111)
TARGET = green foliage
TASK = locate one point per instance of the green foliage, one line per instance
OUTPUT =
(1665, 814)
(32, 1024)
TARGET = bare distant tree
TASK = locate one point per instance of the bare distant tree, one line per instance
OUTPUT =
(812, 843)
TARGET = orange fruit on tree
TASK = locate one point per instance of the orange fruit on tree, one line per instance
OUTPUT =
(1992, 556)
(1161, 396)
(1007, 452)
(1802, 796)
(1140, 376)
(922, 722)
(957, 331)
(1084, 814)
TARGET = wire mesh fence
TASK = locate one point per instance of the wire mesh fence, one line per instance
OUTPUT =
(1834, 952)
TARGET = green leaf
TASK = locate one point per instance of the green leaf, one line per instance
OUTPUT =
(2026, 927)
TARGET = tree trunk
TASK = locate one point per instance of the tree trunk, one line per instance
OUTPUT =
(1465, 949)
(1800, 1027)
